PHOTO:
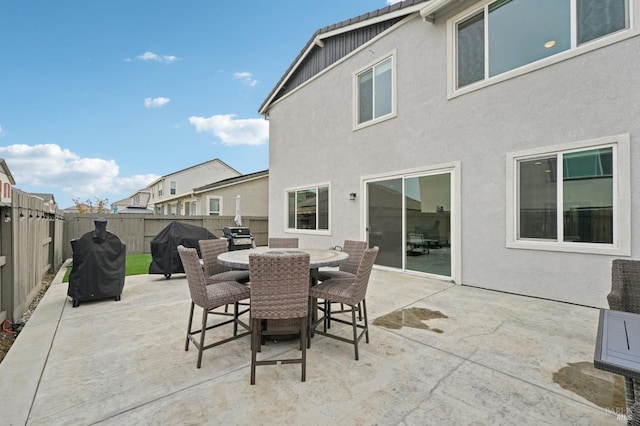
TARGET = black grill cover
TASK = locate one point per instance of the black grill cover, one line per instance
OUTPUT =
(99, 259)
(164, 246)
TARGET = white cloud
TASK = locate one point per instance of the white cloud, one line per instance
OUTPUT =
(390, 2)
(246, 78)
(156, 102)
(2, 132)
(50, 167)
(231, 131)
(154, 57)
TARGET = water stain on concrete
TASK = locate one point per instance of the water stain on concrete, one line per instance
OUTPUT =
(604, 389)
(412, 317)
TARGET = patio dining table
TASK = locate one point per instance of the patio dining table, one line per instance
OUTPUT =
(318, 258)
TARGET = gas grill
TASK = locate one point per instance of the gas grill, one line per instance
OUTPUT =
(239, 237)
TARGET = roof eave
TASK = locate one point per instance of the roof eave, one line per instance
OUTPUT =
(428, 12)
(317, 38)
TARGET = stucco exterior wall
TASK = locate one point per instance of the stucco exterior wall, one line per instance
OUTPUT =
(254, 198)
(586, 97)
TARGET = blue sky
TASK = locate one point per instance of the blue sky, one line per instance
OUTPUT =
(99, 98)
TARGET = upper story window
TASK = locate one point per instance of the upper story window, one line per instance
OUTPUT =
(569, 198)
(172, 191)
(504, 35)
(308, 208)
(160, 189)
(374, 92)
(215, 206)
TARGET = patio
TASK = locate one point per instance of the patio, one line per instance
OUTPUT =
(439, 354)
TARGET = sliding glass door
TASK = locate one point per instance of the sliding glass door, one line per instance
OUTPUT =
(409, 218)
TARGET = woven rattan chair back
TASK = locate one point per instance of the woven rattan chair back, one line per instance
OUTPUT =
(279, 285)
(210, 249)
(279, 293)
(625, 286)
(283, 242)
(355, 250)
(195, 276)
(359, 289)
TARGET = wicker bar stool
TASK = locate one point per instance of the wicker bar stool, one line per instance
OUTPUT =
(349, 292)
(213, 271)
(280, 292)
(210, 297)
(348, 269)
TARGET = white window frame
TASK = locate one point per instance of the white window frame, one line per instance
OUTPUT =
(307, 231)
(173, 209)
(621, 198)
(356, 94)
(173, 187)
(453, 91)
(209, 211)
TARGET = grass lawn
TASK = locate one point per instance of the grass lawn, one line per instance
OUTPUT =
(136, 264)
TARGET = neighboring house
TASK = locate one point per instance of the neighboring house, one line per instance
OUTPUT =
(499, 132)
(6, 183)
(137, 203)
(168, 192)
(219, 198)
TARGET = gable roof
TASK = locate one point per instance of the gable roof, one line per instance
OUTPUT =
(340, 39)
(5, 169)
(215, 160)
(232, 181)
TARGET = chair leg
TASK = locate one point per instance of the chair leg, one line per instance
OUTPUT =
(205, 313)
(303, 336)
(186, 345)
(355, 330)
(366, 320)
(255, 343)
(235, 318)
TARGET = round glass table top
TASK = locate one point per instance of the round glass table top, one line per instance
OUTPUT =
(318, 257)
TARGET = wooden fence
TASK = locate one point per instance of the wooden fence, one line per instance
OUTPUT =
(35, 241)
(30, 246)
(137, 230)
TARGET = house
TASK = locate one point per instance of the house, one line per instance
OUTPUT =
(137, 203)
(503, 131)
(169, 191)
(220, 198)
(6, 183)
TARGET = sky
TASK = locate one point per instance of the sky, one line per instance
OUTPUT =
(99, 98)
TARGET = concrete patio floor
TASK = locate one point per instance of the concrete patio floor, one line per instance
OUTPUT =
(488, 358)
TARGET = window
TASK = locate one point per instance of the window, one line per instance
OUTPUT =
(308, 208)
(190, 208)
(173, 188)
(160, 190)
(507, 34)
(160, 210)
(375, 92)
(571, 199)
(173, 209)
(214, 204)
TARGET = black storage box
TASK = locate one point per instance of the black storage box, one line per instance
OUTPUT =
(239, 237)
(164, 247)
